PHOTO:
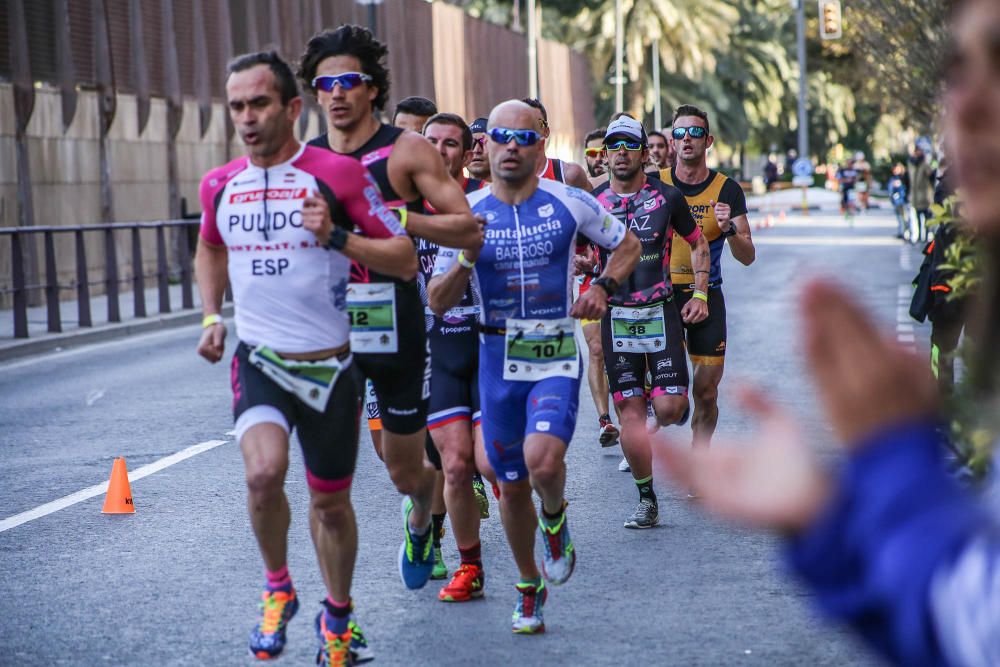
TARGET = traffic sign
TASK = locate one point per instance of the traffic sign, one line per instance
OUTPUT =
(803, 167)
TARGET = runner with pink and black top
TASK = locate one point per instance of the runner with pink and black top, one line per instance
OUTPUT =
(642, 330)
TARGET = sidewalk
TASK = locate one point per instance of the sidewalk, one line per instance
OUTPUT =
(790, 201)
(40, 340)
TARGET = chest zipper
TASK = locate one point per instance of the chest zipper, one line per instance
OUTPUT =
(520, 258)
(264, 199)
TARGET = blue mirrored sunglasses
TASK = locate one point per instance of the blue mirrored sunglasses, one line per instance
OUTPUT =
(347, 81)
(628, 145)
(503, 135)
(696, 132)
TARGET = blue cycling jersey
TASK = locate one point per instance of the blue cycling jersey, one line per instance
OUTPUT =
(525, 268)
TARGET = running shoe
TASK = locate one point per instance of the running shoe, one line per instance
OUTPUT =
(559, 556)
(334, 649)
(482, 499)
(440, 570)
(608, 434)
(466, 584)
(360, 650)
(646, 515)
(527, 618)
(277, 608)
(416, 555)
(623, 465)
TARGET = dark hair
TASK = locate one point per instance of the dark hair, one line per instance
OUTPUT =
(595, 134)
(348, 40)
(657, 133)
(535, 103)
(452, 119)
(692, 110)
(284, 80)
(415, 106)
(616, 116)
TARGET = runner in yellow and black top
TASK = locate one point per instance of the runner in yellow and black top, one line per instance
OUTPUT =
(719, 207)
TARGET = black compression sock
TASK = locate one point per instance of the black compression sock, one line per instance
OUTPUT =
(646, 489)
(438, 521)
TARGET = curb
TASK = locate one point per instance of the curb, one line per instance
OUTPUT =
(18, 348)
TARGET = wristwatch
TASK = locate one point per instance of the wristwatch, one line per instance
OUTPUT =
(731, 231)
(607, 283)
(338, 238)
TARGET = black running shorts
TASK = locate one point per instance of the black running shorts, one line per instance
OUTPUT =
(668, 367)
(706, 340)
(329, 440)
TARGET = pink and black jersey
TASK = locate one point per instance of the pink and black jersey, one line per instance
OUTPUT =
(290, 291)
(651, 214)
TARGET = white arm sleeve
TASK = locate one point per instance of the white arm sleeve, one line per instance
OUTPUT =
(593, 221)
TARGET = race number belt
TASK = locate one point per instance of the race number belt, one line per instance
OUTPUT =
(638, 329)
(311, 381)
(537, 349)
(372, 309)
(456, 313)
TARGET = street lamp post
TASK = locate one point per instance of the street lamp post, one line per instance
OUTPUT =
(619, 57)
(657, 111)
(532, 51)
(372, 15)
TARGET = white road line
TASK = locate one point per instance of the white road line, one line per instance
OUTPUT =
(765, 239)
(98, 489)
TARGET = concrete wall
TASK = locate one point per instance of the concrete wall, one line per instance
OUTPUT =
(65, 174)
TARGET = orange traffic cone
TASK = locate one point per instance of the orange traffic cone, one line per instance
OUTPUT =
(119, 497)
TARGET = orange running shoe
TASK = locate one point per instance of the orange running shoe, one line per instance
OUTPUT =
(466, 584)
(277, 608)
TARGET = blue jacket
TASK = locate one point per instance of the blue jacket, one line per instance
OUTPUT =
(905, 555)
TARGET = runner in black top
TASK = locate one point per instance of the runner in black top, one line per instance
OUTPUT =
(454, 414)
(719, 206)
(642, 329)
(346, 70)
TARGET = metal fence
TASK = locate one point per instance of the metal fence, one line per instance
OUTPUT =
(112, 279)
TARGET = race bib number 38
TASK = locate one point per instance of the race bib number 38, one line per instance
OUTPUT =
(372, 309)
(636, 329)
(537, 349)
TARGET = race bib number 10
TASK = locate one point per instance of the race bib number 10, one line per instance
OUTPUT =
(537, 349)
(372, 309)
(636, 329)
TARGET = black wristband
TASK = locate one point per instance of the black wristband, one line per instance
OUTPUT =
(338, 238)
(607, 283)
(731, 231)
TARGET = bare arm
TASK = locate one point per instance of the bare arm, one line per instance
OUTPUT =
(741, 244)
(446, 290)
(576, 176)
(393, 255)
(454, 225)
(594, 303)
(212, 272)
(696, 310)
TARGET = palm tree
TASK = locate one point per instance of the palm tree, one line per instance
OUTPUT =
(688, 31)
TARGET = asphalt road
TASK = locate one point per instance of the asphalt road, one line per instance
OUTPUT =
(177, 582)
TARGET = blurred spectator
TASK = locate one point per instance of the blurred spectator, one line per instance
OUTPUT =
(847, 177)
(921, 187)
(863, 185)
(770, 174)
(898, 186)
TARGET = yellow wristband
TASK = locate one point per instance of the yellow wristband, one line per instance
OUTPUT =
(463, 262)
(402, 212)
(698, 294)
(209, 320)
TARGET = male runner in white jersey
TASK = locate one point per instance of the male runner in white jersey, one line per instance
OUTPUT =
(276, 226)
(346, 70)
(529, 366)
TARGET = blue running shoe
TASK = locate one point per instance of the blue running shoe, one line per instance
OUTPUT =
(416, 553)
(267, 640)
(559, 556)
